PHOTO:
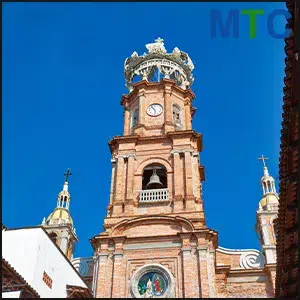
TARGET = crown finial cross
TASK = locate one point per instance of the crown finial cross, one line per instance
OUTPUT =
(159, 40)
(67, 174)
(263, 160)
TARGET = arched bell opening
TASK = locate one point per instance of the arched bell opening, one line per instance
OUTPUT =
(53, 236)
(154, 177)
(155, 75)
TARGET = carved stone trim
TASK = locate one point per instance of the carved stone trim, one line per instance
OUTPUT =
(182, 151)
(151, 245)
(102, 257)
(126, 155)
(249, 258)
(186, 250)
(118, 255)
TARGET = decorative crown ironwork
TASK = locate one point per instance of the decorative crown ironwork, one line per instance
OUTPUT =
(176, 65)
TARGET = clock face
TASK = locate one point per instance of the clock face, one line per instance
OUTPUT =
(154, 110)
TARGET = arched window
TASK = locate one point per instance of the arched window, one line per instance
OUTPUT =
(134, 118)
(265, 187)
(53, 237)
(154, 177)
(177, 119)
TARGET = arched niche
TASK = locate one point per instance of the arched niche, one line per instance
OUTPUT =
(154, 177)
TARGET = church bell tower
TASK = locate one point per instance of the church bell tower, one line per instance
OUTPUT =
(155, 241)
(266, 216)
(59, 223)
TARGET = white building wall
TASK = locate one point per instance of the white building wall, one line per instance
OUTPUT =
(11, 294)
(31, 252)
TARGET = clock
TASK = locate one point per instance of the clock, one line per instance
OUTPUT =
(154, 110)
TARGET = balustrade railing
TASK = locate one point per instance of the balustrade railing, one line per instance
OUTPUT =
(156, 195)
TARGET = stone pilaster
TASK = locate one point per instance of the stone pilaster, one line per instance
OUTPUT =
(189, 268)
(119, 271)
(104, 276)
(188, 173)
(204, 282)
(126, 121)
(196, 175)
(130, 174)
(112, 181)
(120, 178)
(168, 126)
(178, 182)
(271, 269)
(188, 117)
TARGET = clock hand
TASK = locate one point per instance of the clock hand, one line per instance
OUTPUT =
(154, 109)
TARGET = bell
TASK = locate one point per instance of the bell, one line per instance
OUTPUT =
(154, 181)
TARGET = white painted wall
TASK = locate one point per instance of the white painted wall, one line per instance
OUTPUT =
(31, 252)
(11, 294)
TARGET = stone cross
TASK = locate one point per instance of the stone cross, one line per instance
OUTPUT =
(159, 40)
(263, 160)
(67, 174)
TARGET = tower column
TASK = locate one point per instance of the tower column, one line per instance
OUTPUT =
(188, 173)
(120, 179)
(137, 187)
(178, 182)
(168, 109)
(130, 174)
(112, 182)
(170, 184)
(64, 241)
(119, 271)
(142, 107)
(189, 197)
(188, 117)
(203, 265)
(190, 270)
(204, 282)
(125, 178)
(104, 278)
(119, 187)
(126, 121)
(196, 176)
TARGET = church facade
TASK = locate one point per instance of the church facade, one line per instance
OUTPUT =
(155, 242)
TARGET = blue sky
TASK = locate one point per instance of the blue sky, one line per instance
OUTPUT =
(62, 85)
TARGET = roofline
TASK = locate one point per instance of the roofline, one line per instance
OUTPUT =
(20, 277)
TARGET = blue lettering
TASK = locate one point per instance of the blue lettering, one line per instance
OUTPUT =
(232, 21)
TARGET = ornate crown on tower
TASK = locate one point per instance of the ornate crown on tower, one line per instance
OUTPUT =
(176, 65)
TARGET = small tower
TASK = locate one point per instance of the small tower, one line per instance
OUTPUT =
(266, 216)
(59, 223)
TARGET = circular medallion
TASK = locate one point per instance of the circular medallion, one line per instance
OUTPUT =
(152, 281)
(152, 284)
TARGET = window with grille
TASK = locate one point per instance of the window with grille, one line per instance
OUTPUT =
(47, 280)
(134, 118)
